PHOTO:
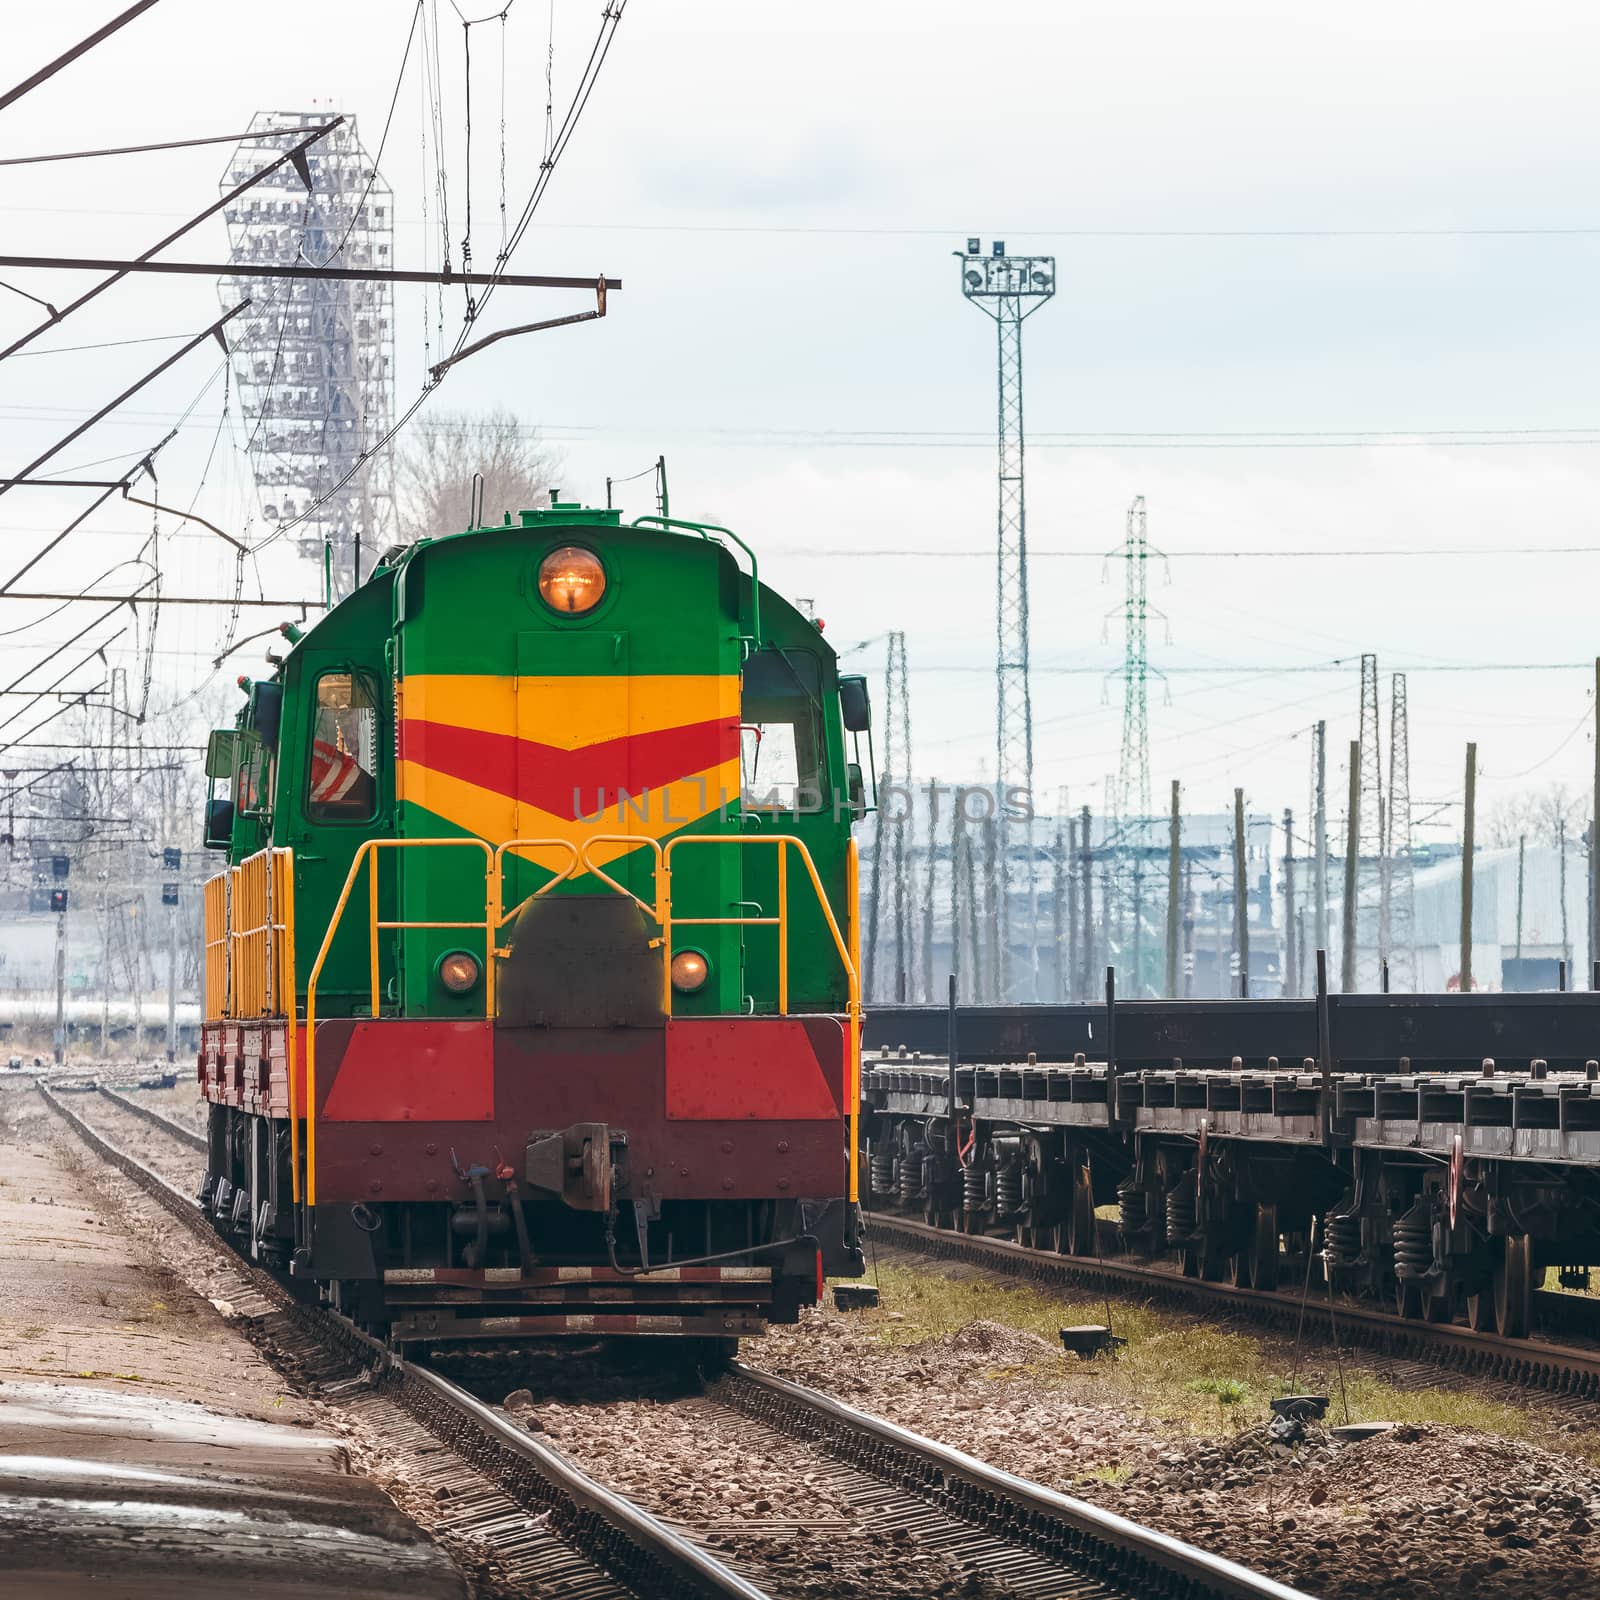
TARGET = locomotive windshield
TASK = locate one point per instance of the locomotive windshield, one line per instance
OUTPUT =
(780, 731)
(343, 749)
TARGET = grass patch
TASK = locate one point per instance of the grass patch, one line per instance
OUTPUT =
(1228, 1391)
(1111, 1474)
(1207, 1378)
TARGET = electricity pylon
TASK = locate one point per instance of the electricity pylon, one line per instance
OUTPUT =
(889, 850)
(1010, 289)
(1399, 882)
(1371, 867)
(1133, 776)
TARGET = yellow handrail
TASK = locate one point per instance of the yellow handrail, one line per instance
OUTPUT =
(490, 925)
(782, 840)
(566, 872)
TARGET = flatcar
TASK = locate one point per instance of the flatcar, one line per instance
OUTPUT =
(532, 1003)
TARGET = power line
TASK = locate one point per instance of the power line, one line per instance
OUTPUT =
(1436, 552)
(66, 58)
(127, 149)
(102, 344)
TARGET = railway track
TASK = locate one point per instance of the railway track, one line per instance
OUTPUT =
(1027, 1540)
(1506, 1368)
(543, 1518)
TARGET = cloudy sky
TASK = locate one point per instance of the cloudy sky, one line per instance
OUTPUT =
(1325, 300)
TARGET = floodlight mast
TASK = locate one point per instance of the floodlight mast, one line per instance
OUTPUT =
(1010, 289)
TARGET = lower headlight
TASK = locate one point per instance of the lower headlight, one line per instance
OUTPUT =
(690, 970)
(458, 971)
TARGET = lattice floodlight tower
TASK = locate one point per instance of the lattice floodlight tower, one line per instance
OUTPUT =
(314, 362)
(1010, 289)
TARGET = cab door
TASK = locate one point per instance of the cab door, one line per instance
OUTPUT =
(335, 789)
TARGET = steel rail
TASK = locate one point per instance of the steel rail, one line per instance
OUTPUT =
(632, 1545)
(1108, 1545)
(1560, 1369)
(195, 1141)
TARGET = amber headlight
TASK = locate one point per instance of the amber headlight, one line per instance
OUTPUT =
(458, 971)
(690, 970)
(572, 580)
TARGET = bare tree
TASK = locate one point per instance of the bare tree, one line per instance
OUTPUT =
(1539, 815)
(436, 471)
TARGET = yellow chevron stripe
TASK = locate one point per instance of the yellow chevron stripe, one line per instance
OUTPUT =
(570, 712)
(495, 817)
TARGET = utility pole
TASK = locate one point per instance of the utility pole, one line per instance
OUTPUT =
(1319, 837)
(1522, 853)
(1010, 289)
(1069, 969)
(1105, 910)
(995, 884)
(1352, 857)
(958, 868)
(1058, 904)
(1136, 985)
(1188, 935)
(136, 949)
(1291, 930)
(1561, 838)
(1174, 863)
(1594, 840)
(1466, 868)
(1241, 897)
(58, 904)
(1220, 939)
(932, 865)
(1086, 904)
(172, 861)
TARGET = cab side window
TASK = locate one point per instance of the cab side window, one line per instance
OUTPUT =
(342, 783)
(780, 731)
(252, 778)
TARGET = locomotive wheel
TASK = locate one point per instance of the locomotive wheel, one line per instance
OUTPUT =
(1255, 1262)
(1513, 1287)
(1437, 1308)
(1191, 1260)
(1480, 1311)
(1082, 1224)
(1265, 1248)
(1408, 1299)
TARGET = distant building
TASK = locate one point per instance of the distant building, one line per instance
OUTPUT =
(1550, 931)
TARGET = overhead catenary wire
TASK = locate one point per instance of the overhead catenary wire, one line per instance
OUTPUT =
(67, 57)
(134, 149)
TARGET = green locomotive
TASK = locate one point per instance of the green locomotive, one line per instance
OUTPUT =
(532, 994)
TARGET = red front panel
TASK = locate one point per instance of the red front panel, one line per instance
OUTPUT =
(437, 1071)
(722, 1108)
(752, 1068)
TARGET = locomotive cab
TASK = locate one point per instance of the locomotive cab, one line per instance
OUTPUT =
(532, 984)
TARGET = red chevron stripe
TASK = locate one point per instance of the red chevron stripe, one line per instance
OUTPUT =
(569, 783)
